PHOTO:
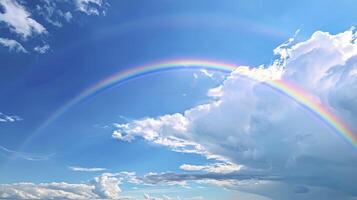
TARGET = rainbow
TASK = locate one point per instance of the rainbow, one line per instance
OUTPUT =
(292, 91)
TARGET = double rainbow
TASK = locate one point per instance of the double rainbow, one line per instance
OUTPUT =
(300, 96)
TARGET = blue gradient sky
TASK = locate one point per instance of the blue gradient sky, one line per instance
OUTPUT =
(91, 47)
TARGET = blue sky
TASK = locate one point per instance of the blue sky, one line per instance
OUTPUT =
(245, 139)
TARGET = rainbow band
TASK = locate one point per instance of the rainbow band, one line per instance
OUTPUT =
(284, 87)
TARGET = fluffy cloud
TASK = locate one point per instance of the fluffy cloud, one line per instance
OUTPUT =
(103, 187)
(252, 125)
(85, 169)
(19, 19)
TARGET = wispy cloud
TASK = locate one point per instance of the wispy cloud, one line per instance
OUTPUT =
(13, 45)
(9, 118)
(223, 167)
(90, 7)
(11, 154)
(85, 169)
(42, 49)
(207, 73)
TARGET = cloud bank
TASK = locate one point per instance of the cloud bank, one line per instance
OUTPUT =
(101, 187)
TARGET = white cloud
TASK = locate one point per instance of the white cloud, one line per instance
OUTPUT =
(213, 168)
(13, 45)
(26, 156)
(253, 125)
(205, 72)
(107, 186)
(164, 197)
(47, 191)
(102, 187)
(90, 7)
(9, 118)
(52, 13)
(67, 16)
(19, 20)
(85, 169)
(42, 49)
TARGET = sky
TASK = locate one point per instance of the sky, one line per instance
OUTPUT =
(249, 99)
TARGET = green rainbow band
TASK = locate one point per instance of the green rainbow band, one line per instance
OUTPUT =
(288, 89)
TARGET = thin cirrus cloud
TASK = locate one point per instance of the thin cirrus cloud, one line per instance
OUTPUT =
(263, 131)
(42, 49)
(11, 154)
(13, 45)
(90, 7)
(86, 169)
(9, 118)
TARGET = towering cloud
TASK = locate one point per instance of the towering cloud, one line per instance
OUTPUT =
(249, 124)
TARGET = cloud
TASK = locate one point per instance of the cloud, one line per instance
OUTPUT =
(90, 7)
(107, 186)
(52, 13)
(9, 118)
(84, 169)
(165, 197)
(19, 20)
(13, 45)
(67, 16)
(205, 72)
(226, 167)
(26, 156)
(101, 187)
(254, 126)
(42, 49)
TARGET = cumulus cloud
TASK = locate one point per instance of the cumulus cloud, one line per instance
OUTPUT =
(101, 187)
(19, 19)
(252, 125)
(85, 169)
